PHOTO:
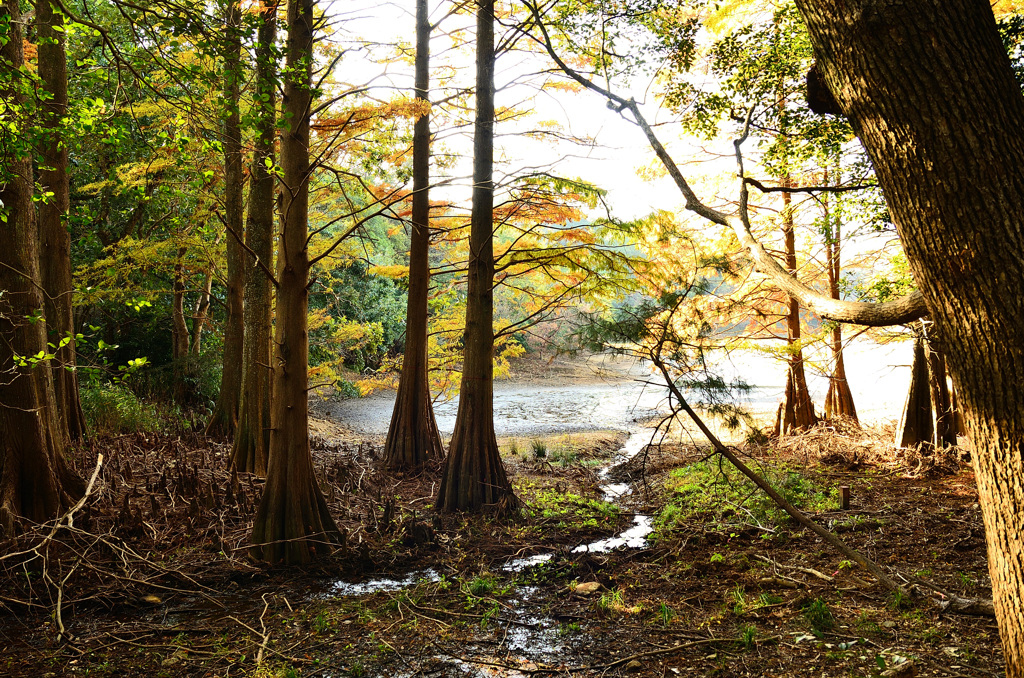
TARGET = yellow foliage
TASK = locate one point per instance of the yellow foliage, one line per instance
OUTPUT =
(1003, 7)
(563, 86)
(395, 272)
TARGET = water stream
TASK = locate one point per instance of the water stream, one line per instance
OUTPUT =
(532, 410)
(527, 637)
(634, 537)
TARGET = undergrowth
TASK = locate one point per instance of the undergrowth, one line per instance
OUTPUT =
(113, 409)
(565, 509)
(714, 491)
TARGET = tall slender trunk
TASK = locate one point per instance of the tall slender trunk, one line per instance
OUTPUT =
(293, 523)
(943, 416)
(224, 418)
(252, 436)
(201, 314)
(474, 475)
(796, 412)
(35, 479)
(54, 237)
(928, 88)
(413, 437)
(179, 326)
(839, 398)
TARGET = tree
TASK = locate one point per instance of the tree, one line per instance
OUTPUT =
(839, 397)
(796, 411)
(931, 94)
(473, 474)
(35, 479)
(54, 236)
(252, 435)
(413, 437)
(224, 419)
(293, 522)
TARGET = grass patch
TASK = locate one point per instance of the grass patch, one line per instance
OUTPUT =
(565, 509)
(713, 491)
(819, 615)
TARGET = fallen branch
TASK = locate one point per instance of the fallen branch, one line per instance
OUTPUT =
(973, 606)
(806, 570)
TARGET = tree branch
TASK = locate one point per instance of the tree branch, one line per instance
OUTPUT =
(897, 312)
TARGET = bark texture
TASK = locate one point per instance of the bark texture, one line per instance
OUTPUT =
(928, 88)
(413, 437)
(293, 523)
(252, 436)
(474, 475)
(54, 237)
(35, 481)
(224, 419)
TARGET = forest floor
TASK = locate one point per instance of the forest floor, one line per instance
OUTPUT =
(152, 578)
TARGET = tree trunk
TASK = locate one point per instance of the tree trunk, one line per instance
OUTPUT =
(929, 90)
(179, 327)
(293, 523)
(54, 237)
(252, 437)
(915, 427)
(224, 418)
(201, 316)
(839, 399)
(413, 437)
(474, 475)
(943, 419)
(796, 412)
(35, 480)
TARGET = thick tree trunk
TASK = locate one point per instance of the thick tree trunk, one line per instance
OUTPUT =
(225, 413)
(474, 475)
(796, 412)
(413, 437)
(293, 523)
(35, 480)
(54, 237)
(928, 88)
(252, 436)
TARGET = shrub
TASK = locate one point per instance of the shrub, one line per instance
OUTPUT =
(114, 409)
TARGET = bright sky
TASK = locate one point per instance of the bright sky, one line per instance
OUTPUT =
(612, 163)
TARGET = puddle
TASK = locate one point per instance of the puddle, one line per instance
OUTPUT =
(633, 538)
(365, 588)
(520, 564)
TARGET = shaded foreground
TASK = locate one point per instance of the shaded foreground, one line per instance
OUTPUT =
(152, 578)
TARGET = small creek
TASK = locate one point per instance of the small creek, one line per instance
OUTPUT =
(528, 637)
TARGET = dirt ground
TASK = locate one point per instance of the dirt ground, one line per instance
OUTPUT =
(152, 578)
